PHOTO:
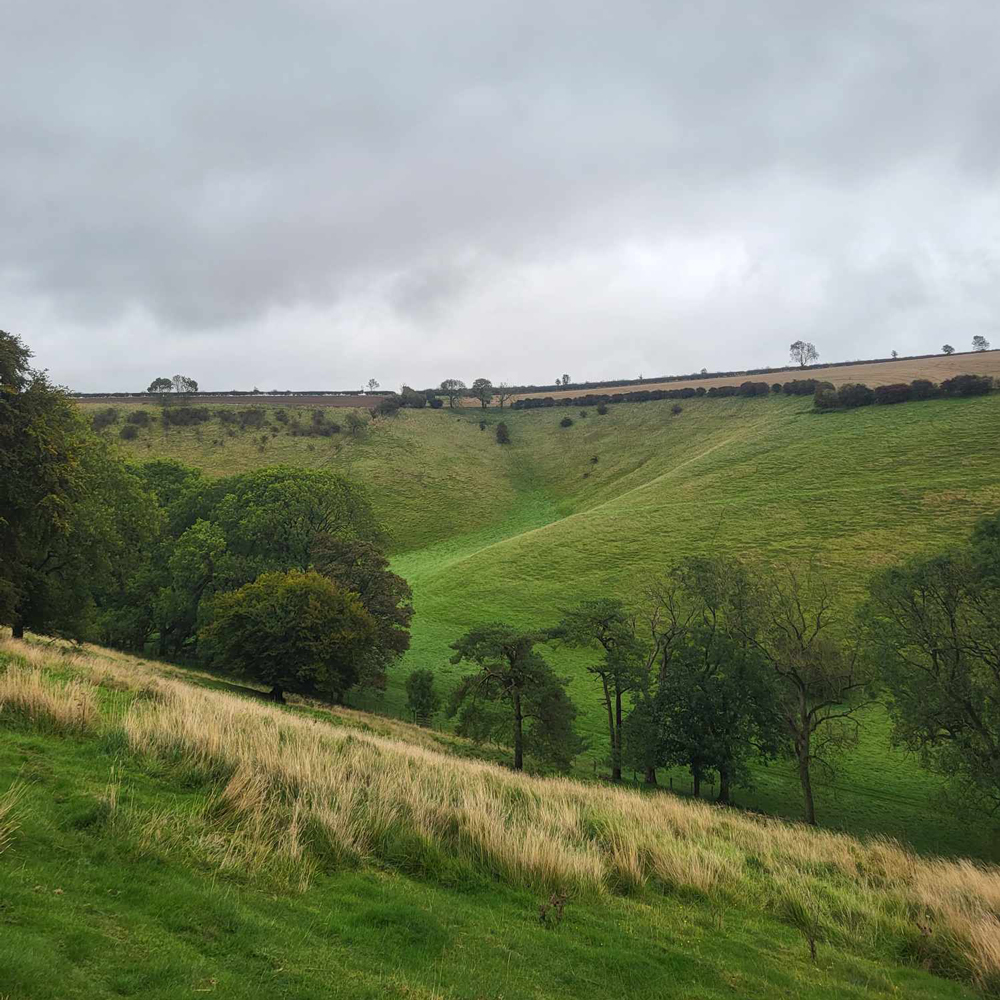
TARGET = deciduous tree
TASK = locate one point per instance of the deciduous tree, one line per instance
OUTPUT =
(513, 697)
(803, 353)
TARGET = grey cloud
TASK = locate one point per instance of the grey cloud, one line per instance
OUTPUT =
(211, 167)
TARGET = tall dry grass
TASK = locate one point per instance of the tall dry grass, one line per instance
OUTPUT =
(63, 707)
(8, 824)
(293, 793)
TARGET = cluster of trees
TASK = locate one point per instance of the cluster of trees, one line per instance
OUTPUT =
(277, 574)
(179, 383)
(723, 663)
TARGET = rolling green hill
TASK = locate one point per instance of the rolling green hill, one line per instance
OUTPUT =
(160, 837)
(519, 532)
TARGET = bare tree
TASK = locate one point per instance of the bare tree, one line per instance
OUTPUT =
(503, 392)
(373, 384)
(182, 383)
(803, 353)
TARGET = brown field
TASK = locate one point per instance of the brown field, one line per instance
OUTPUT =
(876, 373)
(348, 402)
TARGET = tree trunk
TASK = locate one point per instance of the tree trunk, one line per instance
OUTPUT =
(807, 792)
(518, 734)
(724, 780)
(616, 740)
(696, 781)
(17, 629)
(802, 750)
(611, 729)
(277, 694)
(650, 775)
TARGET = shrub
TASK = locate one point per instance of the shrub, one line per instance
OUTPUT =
(566, 422)
(802, 386)
(387, 406)
(754, 389)
(141, 418)
(186, 416)
(602, 409)
(776, 387)
(436, 403)
(422, 699)
(921, 388)
(583, 413)
(826, 399)
(897, 392)
(129, 432)
(966, 385)
(855, 394)
(482, 425)
(503, 437)
(676, 408)
(104, 418)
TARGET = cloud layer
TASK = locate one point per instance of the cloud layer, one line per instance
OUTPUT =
(307, 194)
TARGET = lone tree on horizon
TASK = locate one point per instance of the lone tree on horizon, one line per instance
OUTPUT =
(160, 385)
(980, 343)
(803, 353)
(182, 383)
(947, 349)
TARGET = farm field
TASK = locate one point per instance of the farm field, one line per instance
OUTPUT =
(519, 532)
(936, 369)
(160, 837)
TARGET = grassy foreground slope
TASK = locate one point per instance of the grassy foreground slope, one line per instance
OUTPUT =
(160, 839)
(518, 532)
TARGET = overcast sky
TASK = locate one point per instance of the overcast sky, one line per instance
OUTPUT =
(310, 194)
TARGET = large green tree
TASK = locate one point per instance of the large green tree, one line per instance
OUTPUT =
(296, 632)
(72, 514)
(361, 567)
(513, 697)
(935, 627)
(606, 625)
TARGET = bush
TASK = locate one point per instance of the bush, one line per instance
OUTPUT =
(566, 422)
(602, 409)
(503, 437)
(250, 417)
(422, 699)
(281, 416)
(921, 388)
(826, 399)
(583, 413)
(129, 432)
(754, 389)
(387, 406)
(141, 418)
(186, 416)
(104, 418)
(436, 403)
(676, 408)
(776, 387)
(803, 386)
(852, 394)
(966, 385)
(897, 392)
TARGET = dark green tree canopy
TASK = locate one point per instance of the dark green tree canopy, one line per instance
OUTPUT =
(297, 632)
(513, 697)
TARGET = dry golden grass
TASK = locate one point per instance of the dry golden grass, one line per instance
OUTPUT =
(8, 825)
(68, 707)
(936, 369)
(292, 793)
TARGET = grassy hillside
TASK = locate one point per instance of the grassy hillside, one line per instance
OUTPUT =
(159, 838)
(519, 532)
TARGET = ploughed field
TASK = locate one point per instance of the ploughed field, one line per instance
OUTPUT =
(519, 532)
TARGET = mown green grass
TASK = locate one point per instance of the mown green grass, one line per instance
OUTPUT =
(87, 911)
(520, 532)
